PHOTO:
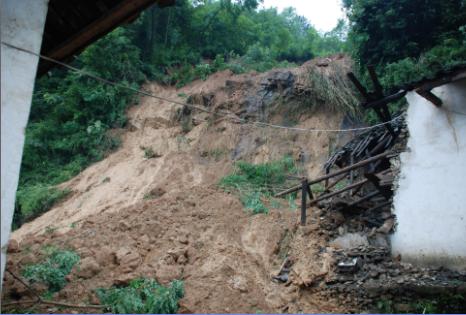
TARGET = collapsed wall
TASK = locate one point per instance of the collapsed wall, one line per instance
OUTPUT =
(430, 202)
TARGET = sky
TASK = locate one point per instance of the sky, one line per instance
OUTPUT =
(323, 14)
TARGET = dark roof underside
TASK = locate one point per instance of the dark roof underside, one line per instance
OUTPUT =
(71, 25)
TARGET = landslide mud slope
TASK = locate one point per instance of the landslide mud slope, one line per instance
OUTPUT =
(164, 217)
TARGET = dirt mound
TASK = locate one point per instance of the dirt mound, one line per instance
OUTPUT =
(153, 209)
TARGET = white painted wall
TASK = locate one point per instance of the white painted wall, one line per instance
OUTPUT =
(430, 202)
(22, 25)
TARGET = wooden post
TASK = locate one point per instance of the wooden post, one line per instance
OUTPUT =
(304, 192)
(351, 177)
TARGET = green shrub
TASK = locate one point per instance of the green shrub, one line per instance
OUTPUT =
(449, 54)
(203, 70)
(143, 296)
(257, 184)
(219, 63)
(53, 270)
(148, 152)
(253, 203)
(35, 200)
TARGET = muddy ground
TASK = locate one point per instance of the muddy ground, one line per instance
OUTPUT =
(163, 215)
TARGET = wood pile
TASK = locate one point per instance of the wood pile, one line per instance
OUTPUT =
(359, 176)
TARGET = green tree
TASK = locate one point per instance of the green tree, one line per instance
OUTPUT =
(384, 31)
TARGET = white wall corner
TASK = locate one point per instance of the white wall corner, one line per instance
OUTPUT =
(22, 24)
(430, 201)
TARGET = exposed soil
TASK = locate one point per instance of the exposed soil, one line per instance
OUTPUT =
(164, 217)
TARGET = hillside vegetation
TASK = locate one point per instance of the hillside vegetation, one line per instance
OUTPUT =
(72, 115)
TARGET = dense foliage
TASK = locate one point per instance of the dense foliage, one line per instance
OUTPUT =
(70, 118)
(193, 39)
(143, 296)
(71, 113)
(53, 270)
(407, 40)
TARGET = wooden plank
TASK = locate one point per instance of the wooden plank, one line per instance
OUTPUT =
(110, 20)
(431, 97)
(341, 171)
(337, 192)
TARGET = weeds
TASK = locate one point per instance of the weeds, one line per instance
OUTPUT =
(53, 270)
(317, 188)
(441, 304)
(50, 229)
(256, 184)
(217, 154)
(148, 153)
(143, 296)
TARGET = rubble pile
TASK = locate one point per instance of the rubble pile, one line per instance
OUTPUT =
(357, 224)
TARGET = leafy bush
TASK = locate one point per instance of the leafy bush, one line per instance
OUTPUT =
(203, 70)
(258, 183)
(53, 270)
(149, 153)
(447, 55)
(70, 118)
(252, 202)
(35, 200)
(143, 296)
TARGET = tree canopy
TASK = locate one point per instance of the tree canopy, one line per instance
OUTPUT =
(407, 39)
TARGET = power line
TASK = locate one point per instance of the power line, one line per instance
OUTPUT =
(197, 107)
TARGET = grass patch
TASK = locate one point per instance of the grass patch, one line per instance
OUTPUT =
(53, 270)
(256, 184)
(441, 304)
(143, 296)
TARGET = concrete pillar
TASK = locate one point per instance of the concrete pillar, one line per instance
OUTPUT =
(430, 201)
(22, 25)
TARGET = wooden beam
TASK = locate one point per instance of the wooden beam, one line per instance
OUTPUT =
(358, 85)
(304, 187)
(337, 192)
(341, 171)
(110, 20)
(384, 101)
(365, 198)
(431, 97)
(386, 192)
(381, 205)
(455, 76)
(335, 182)
(375, 81)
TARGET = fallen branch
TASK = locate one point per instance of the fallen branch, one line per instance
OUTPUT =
(40, 300)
